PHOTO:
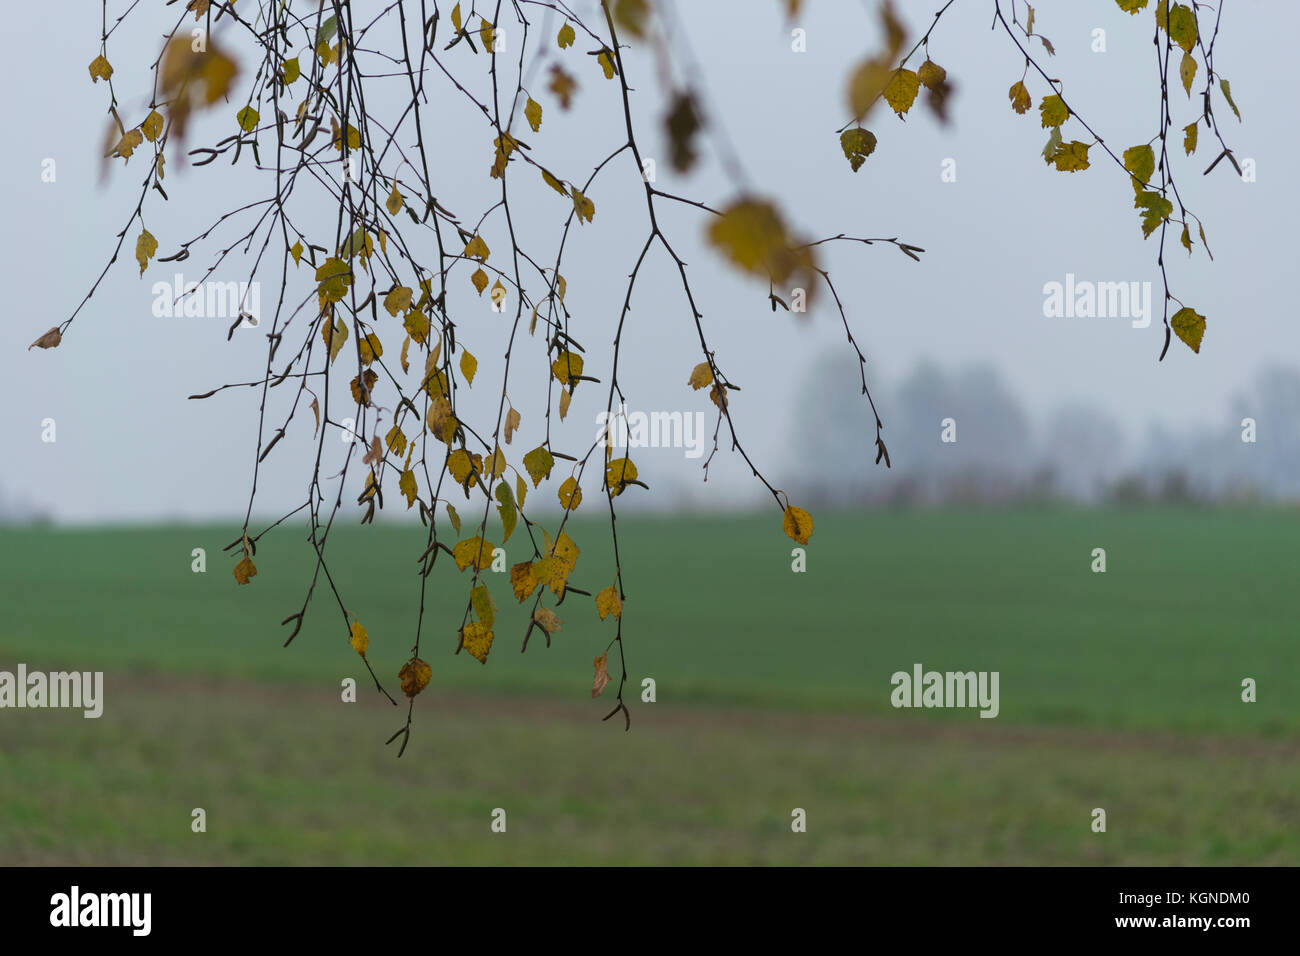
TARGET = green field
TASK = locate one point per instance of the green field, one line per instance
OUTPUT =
(1118, 690)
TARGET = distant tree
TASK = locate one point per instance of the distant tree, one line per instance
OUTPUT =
(336, 104)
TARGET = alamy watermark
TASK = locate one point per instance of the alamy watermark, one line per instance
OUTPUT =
(75, 908)
(1098, 300)
(208, 300)
(624, 429)
(79, 690)
(949, 689)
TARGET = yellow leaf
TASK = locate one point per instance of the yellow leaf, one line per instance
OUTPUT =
(1189, 138)
(334, 335)
(701, 376)
(1141, 162)
(495, 464)
(476, 638)
(152, 126)
(100, 69)
(554, 183)
(602, 677)
(485, 34)
(359, 395)
(1182, 26)
(521, 489)
(608, 602)
(533, 113)
(1070, 157)
(333, 279)
(1189, 326)
(414, 676)
(606, 61)
(442, 423)
(1054, 111)
(468, 366)
(480, 280)
(396, 441)
(290, 71)
(570, 494)
(247, 119)
(455, 17)
(145, 247)
(399, 300)
(539, 463)
(461, 466)
(416, 324)
(1020, 99)
(857, 144)
(370, 348)
(512, 423)
(296, 251)
(394, 202)
(481, 600)
(407, 486)
(565, 399)
(453, 517)
(798, 524)
(567, 367)
(127, 144)
(619, 473)
(524, 580)
(245, 570)
(476, 248)
(473, 549)
(583, 206)
(1187, 72)
(566, 36)
(900, 91)
(360, 639)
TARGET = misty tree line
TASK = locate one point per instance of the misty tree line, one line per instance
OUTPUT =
(1073, 452)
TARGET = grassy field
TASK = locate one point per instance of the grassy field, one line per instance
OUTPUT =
(1118, 690)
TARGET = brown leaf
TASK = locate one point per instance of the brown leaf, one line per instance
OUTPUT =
(602, 674)
(49, 340)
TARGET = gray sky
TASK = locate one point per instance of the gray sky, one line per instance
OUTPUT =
(130, 447)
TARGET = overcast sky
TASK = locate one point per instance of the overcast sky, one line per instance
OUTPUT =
(130, 447)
